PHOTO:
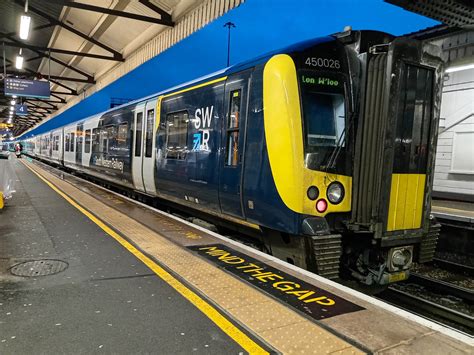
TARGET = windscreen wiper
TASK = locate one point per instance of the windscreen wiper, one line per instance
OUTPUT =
(331, 164)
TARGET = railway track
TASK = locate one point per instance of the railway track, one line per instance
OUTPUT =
(414, 302)
(454, 267)
(428, 309)
(442, 287)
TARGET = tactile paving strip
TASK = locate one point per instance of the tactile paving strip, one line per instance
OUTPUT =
(282, 328)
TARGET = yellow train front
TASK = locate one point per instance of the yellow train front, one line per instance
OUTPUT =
(350, 128)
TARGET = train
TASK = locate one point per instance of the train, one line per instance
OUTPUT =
(323, 151)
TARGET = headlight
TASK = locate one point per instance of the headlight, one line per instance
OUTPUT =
(335, 193)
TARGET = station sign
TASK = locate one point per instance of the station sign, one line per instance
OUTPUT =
(3, 132)
(27, 88)
(5, 125)
(21, 110)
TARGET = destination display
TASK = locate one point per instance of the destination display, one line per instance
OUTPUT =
(309, 299)
(27, 88)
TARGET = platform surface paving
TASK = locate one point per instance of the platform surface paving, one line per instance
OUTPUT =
(105, 301)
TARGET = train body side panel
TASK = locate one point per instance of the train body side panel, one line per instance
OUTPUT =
(111, 146)
(187, 157)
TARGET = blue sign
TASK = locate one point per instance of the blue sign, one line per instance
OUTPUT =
(27, 88)
(3, 131)
(21, 110)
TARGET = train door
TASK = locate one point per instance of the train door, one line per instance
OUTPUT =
(148, 152)
(79, 143)
(50, 145)
(137, 148)
(235, 106)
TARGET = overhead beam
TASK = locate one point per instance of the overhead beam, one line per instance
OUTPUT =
(54, 93)
(164, 20)
(46, 102)
(164, 15)
(31, 73)
(54, 21)
(37, 28)
(44, 55)
(71, 91)
(61, 51)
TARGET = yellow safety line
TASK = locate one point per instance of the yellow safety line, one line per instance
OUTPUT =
(212, 313)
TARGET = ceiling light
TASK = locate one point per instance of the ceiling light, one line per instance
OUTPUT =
(14, 96)
(19, 62)
(459, 68)
(25, 26)
(12, 102)
(11, 108)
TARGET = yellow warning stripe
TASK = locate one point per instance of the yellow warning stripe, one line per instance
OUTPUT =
(212, 313)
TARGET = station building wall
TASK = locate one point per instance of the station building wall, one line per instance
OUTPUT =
(454, 170)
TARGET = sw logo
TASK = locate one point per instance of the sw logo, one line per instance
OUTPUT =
(202, 122)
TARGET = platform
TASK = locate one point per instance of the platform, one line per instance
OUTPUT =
(454, 211)
(126, 278)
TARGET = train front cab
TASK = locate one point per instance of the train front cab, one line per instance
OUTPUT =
(360, 174)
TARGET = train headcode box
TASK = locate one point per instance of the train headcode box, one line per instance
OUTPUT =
(27, 88)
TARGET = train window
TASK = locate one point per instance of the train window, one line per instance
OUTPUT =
(67, 142)
(103, 140)
(122, 135)
(72, 142)
(232, 147)
(413, 121)
(108, 135)
(55, 143)
(95, 140)
(149, 133)
(87, 141)
(138, 138)
(177, 135)
(234, 114)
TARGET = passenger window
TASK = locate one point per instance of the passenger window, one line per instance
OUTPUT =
(95, 140)
(103, 141)
(177, 135)
(122, 135)
(232, 147)
(67, 144)
(138, 138)
(149, 133)
(72, 142)
(87, 146)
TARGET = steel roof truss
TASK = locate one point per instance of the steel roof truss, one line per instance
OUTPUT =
(164, 20)
(117, 55)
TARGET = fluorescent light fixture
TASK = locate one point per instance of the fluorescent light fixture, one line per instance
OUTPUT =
(25, 26)
(12, 102)
(459, 68)
(19, 62)
(14, 96)
(11, 108)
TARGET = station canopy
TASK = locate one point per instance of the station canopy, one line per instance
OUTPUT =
(73, 44)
